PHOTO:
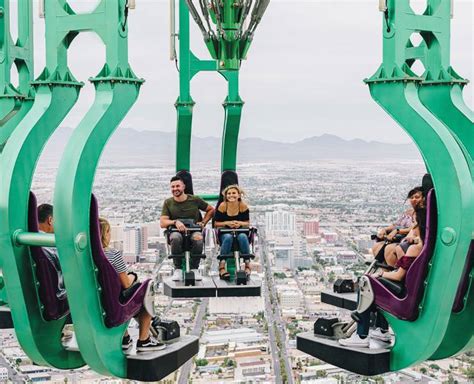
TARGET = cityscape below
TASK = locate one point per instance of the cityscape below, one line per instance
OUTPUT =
(314, 220)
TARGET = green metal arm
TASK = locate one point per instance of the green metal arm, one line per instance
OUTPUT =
(15, 103)
(117, 89)
(396, 89)
(441, 92)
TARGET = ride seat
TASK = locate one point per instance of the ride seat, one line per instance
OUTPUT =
(117, 311)
(464, 283)
(47, 275)
(406, 306)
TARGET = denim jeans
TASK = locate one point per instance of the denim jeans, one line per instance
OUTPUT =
(364, 323)
(227, 239)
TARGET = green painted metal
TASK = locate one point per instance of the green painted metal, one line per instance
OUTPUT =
(396, 88)
(34, 239)
(117, 89)
(56, 93)
(441, 92)
(15, 102)
(227, 45)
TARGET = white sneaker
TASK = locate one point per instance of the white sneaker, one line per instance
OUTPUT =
(379, 335)
(177, 275)
(197, 274)
(355, 341)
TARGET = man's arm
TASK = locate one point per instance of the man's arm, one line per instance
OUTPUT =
(209, 214)
(165, 221)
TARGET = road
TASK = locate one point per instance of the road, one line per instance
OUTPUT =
(198, 323)
(274, 317)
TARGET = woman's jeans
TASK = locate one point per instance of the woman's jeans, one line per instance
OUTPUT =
(227, 239)
(364, 323)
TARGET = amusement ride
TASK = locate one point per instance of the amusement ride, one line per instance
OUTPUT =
(432, 315)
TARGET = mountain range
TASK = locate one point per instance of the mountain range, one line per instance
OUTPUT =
(129, 146)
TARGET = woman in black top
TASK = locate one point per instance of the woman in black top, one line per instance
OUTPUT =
(232, 213)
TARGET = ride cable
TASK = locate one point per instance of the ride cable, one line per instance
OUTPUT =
(413, 101)
(15, 102)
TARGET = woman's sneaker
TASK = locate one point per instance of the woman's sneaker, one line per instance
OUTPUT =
(126, 342)
(379, 335)
(149, 344)
(355, 341)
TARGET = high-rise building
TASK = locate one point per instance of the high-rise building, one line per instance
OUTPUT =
(135, 242)
(280, 222)
(311, 228)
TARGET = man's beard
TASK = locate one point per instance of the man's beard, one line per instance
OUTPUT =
(178, 193)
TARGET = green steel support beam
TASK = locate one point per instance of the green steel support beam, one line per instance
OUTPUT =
(15, 102)
(117, 89)
(228, 45)
(396, 88)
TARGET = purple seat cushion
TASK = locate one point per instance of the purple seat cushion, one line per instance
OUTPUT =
(116, 312)
(464, 284)
(406, 307)
(53, 307)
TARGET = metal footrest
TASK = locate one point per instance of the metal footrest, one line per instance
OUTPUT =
(340, 300)
(253, 287)
(178, 289)
(154, 366)
(364, 361)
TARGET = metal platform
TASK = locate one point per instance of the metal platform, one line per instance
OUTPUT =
(364, 361)
(6, 321)
(230, 289)
(341, 300)
(177, 289)
(212, 287)
(154, 366)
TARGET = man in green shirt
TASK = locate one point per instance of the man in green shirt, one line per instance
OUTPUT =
(184, 207)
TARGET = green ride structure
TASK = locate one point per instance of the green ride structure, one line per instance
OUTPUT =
(428, 106)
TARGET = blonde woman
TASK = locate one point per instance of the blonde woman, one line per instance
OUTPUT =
(145, 343)
(232, 213)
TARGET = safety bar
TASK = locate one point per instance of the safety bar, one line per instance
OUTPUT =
(35, 239)
(209, 197)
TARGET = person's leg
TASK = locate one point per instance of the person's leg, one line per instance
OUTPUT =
(226, 243)
(390, 254)
(381, 322)
(196, 249)
(144, 321)
(244, 245)
(414, 250)
(364, 324)
(176, 242)
(377, 247)
(226, 247)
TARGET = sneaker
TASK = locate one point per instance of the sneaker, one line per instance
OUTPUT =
(177, 275)
(197, 274)
(379, 335)
(126, 342)
(149, 344)
(355, 341)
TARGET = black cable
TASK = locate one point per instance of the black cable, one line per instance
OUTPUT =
(125, 13)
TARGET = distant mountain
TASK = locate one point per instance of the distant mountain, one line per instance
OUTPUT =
(128, 146)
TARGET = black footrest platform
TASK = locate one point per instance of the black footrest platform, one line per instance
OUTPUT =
(231, 289)
(242, 257)
(203, 256)
(341, 300)
(6, 321)
(364, 361)
(177, 289)
(154, 366)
